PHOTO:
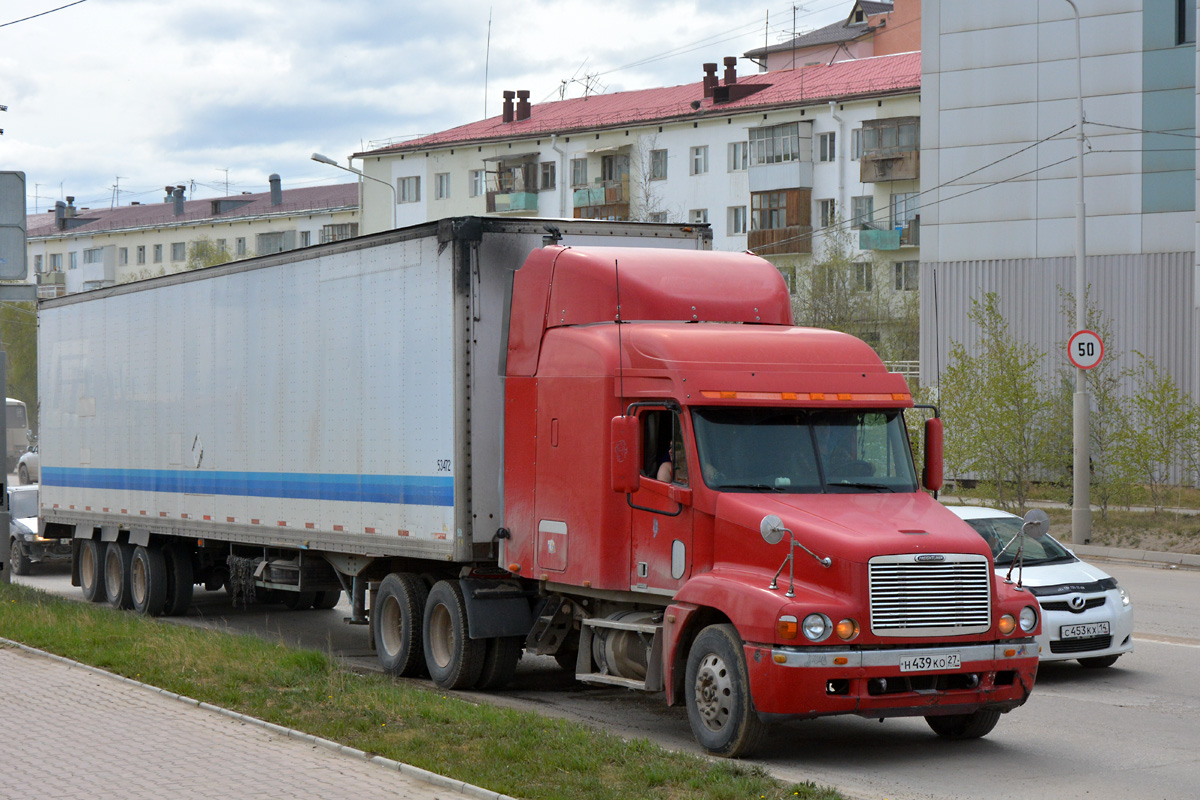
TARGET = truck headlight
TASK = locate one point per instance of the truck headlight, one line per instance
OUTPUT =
(1029, 618)
(847, 629)
(1007, 624)
(816, 627)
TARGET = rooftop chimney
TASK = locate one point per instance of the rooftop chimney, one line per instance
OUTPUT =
(70, 209)
(276, 189)
(177, 197)
(508, 106)
(710, 79)
(169, 190)
(60, 215)
(524, 109)
(730, 70)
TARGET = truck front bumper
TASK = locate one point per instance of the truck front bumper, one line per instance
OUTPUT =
(807, 682)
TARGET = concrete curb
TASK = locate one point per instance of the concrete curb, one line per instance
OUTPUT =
(432, 778)
(1148, 557)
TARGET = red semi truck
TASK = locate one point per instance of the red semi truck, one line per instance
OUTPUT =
(628, 458)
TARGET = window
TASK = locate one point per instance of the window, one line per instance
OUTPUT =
(37, 263)
(864, 277)
(664, 457)
(906, 275)
(55, 262)
(882, 138)
(658, 165)
(578, 171)
(93, 255)
(305, 238)
(221, 246)
(827, 147)
(549, 176)
(270, 243)
(698, 216)
(768, 210)
(658, 216)
(739, 156)
(828, 212)
(335, 233)
(72, 260)
(240, 244)
(699, 160)
(855, 144)
(1185, 21)
(122, 256)
(178, 251)
(442, 185)
(903, 209)
(775, 144)
(408, 190)
(862, 211)
(141, 254)
(158, 254)
(476, 183)
(737, 220)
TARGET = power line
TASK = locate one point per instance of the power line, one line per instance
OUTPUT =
(44, 13)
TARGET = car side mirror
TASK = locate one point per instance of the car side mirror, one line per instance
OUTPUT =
(932, 476)
(625, 455)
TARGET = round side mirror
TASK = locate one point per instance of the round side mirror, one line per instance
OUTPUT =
(772, 529)
(1037, 524)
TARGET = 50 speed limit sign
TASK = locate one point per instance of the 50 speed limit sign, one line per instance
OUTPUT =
(1085, 349)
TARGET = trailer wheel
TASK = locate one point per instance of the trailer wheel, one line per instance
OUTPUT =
(396, 623)
(148, 580)
(965, 726)
(91, 570)
(327, 598)
(181, 581)
(455, 660)
(21, 565)
(299, 601)
(117, 559)
(719, 705)
(500, 657)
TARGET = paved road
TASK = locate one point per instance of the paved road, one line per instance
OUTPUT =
(1132, 731)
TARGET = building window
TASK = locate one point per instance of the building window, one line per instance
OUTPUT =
(828, 212)
(658, 165)
(768, 210)
(37, 263)
(122, 256)
(178, 251)
(739, 156)
(158, 254)
(775, 144)
(475, 179)
(855, 144)
(141, 254)
(305, 239)
(72, 260)
(579, 172)
(408, 190)
(93, 255)
(883, 138)
(1185, 21)
(658, 216)
(549, 176)
(441, 182)
(903, 209)
(240, 244)
(335, 233)
(826, 147)
(906, 275)
(737, 220)
(698, 216)
(862, 211)
(864, 277)
(55, 262)
(699, 160)
(268, 243)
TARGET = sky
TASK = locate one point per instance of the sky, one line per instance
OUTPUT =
(141, 94)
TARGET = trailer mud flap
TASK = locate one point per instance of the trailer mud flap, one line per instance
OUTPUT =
(496, 608)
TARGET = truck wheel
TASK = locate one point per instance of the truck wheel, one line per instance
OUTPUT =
(500, 657)
(21, 564)
(117, 559)
(91, 570)
(327, 598)
(396, 619)
(299, 601)
(181, 580)
(455, 660)
(719, 705)
(23, 474)
(148, 580)
(965, 726)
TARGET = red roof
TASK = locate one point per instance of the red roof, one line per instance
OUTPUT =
(295, 201)
(810, 85)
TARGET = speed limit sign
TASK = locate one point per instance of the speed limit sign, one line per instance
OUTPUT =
(1085, 349)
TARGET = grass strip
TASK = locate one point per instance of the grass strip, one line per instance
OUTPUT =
(513, 752)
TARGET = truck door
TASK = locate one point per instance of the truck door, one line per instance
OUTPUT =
(661, 514)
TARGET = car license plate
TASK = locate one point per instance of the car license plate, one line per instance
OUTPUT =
(927, 663)
(1083, 630)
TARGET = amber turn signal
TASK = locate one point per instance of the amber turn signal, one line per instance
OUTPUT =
(787, 627)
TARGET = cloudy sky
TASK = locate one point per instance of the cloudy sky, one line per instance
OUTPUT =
(197, 92)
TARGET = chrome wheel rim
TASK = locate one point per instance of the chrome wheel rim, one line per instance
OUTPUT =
(714, 692)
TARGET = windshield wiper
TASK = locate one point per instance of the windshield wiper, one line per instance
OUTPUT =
(875, 487)
(758, 487)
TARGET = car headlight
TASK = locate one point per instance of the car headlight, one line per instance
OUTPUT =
(1124, 595)
(816, 627)
(1029, 618)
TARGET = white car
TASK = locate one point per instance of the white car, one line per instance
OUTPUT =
(28, 467)
(1085, 614)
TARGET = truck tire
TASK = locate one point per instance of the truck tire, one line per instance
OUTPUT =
(455, 660)
(20, 563)
(181, 580)
(299, 601)
(396, 618)
(717, 693)
(327, 598)
(148, 580)
(500, 657)
(117, 559)
(91, 570)
(965, 726)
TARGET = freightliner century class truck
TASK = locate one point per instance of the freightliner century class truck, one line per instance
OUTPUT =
(607, 444)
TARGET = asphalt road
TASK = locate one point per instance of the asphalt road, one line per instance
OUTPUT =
(1131, 731)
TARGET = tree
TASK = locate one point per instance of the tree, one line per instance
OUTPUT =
(18, 322)
(1161, 419)
(204, 252)
(646, 190)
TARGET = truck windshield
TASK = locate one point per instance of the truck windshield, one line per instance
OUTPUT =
(803, 451)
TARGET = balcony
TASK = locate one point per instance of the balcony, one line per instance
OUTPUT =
(602, 200)
(500, 202)
(792, 240)
(875, 239)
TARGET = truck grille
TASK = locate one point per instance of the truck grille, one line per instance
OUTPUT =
(942, 594)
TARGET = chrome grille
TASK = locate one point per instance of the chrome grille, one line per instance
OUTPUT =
(950, 596)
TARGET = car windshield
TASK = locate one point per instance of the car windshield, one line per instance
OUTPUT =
(999, 531)
(803, 451)
(23, 504)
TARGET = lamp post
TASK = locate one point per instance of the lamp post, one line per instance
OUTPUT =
(1081, 507)
(327, 160)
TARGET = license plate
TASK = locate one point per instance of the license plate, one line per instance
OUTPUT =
(927, 663)
(1083, 630)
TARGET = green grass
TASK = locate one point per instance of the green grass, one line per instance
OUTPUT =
(512, 752)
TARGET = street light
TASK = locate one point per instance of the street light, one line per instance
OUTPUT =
(327, 160)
